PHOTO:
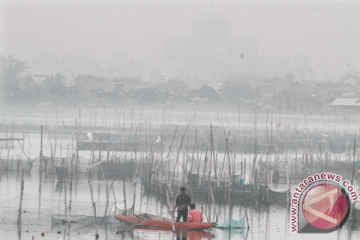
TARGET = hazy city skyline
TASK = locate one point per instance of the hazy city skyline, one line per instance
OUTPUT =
(327, 33)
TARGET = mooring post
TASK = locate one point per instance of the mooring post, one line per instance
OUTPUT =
(124, 192)
(354, 163)
(41, 149)
(20, 207)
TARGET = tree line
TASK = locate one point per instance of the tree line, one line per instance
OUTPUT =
(19, 87)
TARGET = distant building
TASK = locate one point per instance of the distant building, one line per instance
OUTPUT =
(352, 78)
(89, 82)
(326, 93)
(332, 90)
(130, 83)
(309, 84)
(294, 101)
(270, 87)
(346, 105)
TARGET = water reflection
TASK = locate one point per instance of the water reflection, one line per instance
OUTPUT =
(165, 233)
(178, 234)
(266, 222)
(192, 235)
(59, 187)
(238, 233)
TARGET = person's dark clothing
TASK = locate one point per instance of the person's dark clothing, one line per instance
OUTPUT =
(183, 214)
(182, 200)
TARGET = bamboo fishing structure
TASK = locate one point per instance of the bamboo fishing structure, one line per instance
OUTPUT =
(20, 207)
(216, 161)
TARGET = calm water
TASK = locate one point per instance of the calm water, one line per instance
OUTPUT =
(271, 223)
(168, 115)
(41, 204)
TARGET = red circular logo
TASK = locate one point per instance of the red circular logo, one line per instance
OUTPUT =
(325, 206)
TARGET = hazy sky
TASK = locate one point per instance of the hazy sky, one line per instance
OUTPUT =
(328, 32)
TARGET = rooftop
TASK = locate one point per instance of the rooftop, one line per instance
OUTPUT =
(299, 95)
(346, 102)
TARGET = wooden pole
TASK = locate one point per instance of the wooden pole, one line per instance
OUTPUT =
(230, 183)
(71, 185)
(124, 191)
(239, 117)
(136, 176)
(354, 166)
(20, 207)
(41, 149)
(213, 199)
(13, 129)
(93, 203)
(169, 207)
(255, 148)
(213, 152)
(108, 195)
(6, 137)
(65, 202)
(40, 170)
(244, 170)
(177, 156)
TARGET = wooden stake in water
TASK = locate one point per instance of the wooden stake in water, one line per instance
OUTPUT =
(20, 207)
(213, 152)
(65, 202)
(239, 117)
(169, 207)
(40, 170)
(354, 166)
(177, 156)
(255, 148)
(41, 150)
(230, 180)
(136, 176)
(6, 136)
(93, 203)
(213, 199)
(71, 185)
(13, 129)
(247, 220)
(108, 194)
(79, 111)
(124, 191)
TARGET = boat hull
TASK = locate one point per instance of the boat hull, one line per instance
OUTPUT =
(165, 224)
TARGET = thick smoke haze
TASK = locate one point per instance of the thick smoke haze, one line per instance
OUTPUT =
(108, 107)
(326, 33)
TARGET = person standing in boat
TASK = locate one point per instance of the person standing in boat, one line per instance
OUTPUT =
(195, 215)
(182, 203)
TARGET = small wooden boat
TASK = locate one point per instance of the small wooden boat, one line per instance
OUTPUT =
(163, 223)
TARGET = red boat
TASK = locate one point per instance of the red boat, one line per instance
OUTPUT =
(151, 220)
(195, 234)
